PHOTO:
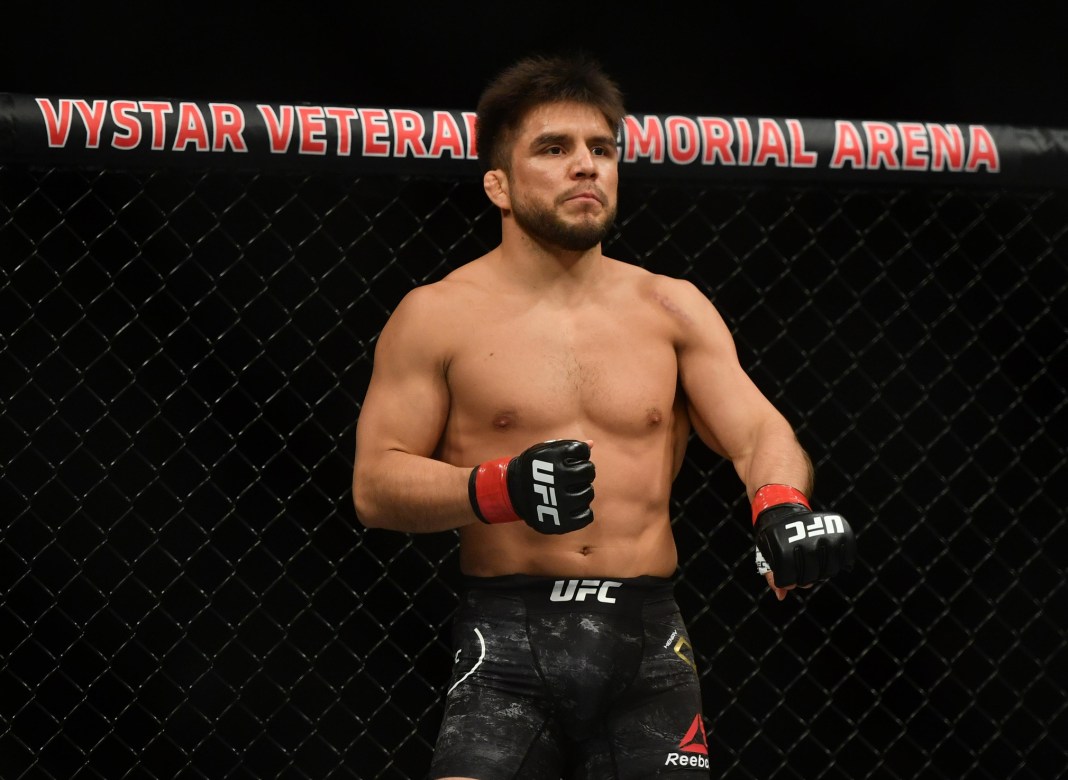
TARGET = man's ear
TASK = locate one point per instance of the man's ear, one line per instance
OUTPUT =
(495, 183)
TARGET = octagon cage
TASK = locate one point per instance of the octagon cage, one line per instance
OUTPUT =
(187, 334)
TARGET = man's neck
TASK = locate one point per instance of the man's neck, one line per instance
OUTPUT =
(537, 264)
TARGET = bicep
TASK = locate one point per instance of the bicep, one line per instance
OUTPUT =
(727, 409)
(407, 400)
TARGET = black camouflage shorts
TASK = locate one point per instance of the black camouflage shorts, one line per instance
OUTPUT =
(585, 679)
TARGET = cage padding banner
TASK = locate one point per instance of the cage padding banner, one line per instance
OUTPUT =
(134, 132)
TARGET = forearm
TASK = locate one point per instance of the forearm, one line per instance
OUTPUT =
(404, 492)
(796, 546)
(775, 457)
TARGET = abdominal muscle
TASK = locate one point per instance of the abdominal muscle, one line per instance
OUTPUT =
(605, 372)
(608, 547)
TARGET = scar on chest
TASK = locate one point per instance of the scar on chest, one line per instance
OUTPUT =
(671, 307)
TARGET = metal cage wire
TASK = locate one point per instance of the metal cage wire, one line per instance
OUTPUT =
(185, 589)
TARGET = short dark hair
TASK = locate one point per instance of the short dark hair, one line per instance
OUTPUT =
(535, 81)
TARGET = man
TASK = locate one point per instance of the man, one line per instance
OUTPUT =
(501, 392)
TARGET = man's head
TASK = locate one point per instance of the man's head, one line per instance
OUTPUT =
(537, 81)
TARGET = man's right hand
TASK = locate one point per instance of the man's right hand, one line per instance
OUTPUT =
(549, 486)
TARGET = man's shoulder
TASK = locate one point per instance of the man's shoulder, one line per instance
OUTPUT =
(678, 303)
(440, 300)
(646, 282)
(429, 300)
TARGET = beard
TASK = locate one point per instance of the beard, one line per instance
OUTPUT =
(545, 226)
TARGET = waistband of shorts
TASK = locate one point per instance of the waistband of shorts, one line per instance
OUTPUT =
(571, 594)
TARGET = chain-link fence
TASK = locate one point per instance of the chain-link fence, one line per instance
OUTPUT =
(186, 591)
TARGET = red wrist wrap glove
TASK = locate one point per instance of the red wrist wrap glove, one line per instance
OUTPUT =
(770, 495)
(549, 487)
(490, 499)
(800, 546)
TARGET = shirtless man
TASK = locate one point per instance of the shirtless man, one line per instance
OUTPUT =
(505, 394)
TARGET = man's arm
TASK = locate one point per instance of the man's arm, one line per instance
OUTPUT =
(732, 416)
(396, 484)
(728, 411)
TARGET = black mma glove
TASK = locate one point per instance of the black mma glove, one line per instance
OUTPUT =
(800, 546)
(549, 486)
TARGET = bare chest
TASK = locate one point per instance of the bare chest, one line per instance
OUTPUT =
(545, 375)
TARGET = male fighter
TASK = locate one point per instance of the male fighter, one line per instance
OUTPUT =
(501, 391)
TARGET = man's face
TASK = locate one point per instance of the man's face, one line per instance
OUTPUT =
(564, 175)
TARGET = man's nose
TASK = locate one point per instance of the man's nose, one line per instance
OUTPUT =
(582, 164)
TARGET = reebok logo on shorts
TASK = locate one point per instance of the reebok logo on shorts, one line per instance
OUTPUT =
(693, 749)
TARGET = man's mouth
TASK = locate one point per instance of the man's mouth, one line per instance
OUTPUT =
(589, 195)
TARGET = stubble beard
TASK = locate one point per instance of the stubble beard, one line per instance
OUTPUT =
(545, 226)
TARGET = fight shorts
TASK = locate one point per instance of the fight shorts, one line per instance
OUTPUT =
(590, 679)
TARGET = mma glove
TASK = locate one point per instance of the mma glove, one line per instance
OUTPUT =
(549, 486)
(800, 546)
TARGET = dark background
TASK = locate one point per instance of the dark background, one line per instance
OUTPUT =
(183, 591)
(997, 63)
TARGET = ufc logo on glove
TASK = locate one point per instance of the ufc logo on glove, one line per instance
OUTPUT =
(821, 524)
(552, 480)
(542, 473)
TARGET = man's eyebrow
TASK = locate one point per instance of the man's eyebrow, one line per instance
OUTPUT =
(603, 140)
(549, 139)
